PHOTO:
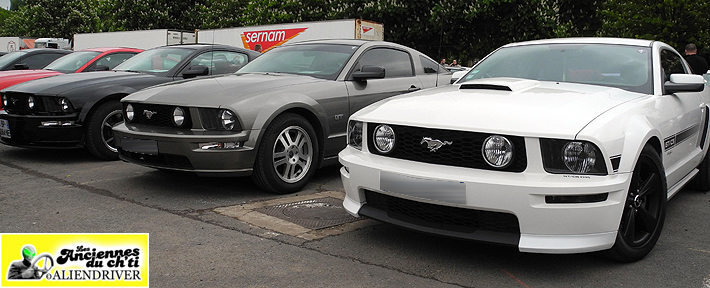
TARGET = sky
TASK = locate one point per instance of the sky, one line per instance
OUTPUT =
(5, 4)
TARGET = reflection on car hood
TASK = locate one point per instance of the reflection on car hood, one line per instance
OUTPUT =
(8, 78)
(537, 109)
(219, 90)
(63, 83)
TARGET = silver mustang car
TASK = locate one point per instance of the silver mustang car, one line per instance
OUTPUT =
(277, 119)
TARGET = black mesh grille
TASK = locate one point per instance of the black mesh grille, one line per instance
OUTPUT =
(162, 160)
(17, 103)
(464, 150)
(439, 216)
(160, 115)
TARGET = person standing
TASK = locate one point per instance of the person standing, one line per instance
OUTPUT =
(697, 63)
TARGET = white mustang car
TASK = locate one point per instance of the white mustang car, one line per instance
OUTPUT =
(553, 146)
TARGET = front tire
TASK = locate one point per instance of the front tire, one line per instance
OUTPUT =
(99, 130)
(287, 156)
(644, 210)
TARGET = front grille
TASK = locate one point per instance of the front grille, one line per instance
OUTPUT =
(160, 115)
(464, 150)
(161, 160)
(18, 104)
(442, 217)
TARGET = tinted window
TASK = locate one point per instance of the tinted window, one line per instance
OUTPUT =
(111, 60)
(72, 62)
(318, 60)
(431, 67)
(221, 62)
(396, 63)
(158, 60)
(10, 57)
(625, 67)
(38, 61)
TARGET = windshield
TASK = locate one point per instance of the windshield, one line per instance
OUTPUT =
(154, 61)
(72, 62)
(10, 57)
(625, 67)
(323, 61)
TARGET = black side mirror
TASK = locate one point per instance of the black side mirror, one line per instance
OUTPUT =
(684, 83)
(194, 71)
(21, 66)
(101, 68)
(369, 72)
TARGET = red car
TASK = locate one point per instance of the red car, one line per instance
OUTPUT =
(93, 59)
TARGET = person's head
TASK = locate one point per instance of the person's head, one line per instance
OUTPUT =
(257, 47)
(28, 252)
(691, 49)
(453, 62)
(443, 61)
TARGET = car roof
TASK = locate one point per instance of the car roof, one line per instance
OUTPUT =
(587, 40)
(107, 49)
(42, 50)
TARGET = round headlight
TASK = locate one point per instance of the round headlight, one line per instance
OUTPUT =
(64, 103)
(178, 116)
(129, 112)
(383, 138)
(497, 151)
(579, 157)
(227, 118)
(4, 101)
(31, 102)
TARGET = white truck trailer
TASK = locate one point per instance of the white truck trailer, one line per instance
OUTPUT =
(142, 39)
(270, 36)
(10, 44)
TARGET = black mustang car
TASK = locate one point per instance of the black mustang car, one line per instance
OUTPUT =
(75, 110)
(35, 58)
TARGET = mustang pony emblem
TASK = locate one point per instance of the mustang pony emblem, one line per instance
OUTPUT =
(149, 113)
(434, 144)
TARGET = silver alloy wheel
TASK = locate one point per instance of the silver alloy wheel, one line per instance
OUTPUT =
(292, 154)
(112, 119)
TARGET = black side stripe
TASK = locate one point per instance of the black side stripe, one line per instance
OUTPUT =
(679, 137)
(704, 134)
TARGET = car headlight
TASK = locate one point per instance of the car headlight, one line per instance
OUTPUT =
(384, 138)
(31, 102)
(497, 151)
(178, 116)
(64, 104)
(130, 112)
(572, 157)
(4, 101)
(355, 134)
(227, 119)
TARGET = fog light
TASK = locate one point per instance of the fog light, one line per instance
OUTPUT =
(384, 138)
(57, 123)
(31, 102)
(220, 145)
(129, 112)
(178, 116)
(497, 151)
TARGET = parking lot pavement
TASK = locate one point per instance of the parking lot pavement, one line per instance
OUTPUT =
(200, 237)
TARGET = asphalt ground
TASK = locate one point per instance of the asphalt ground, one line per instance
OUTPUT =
(208, 232)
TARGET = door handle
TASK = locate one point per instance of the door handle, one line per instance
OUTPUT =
(413, 88)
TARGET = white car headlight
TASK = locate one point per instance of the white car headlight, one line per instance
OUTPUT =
(64, 104)
(497, 151)
(384, 138)
(579, 157)
(178, 116)
(227, 119)
(355, 134)
(130, 113)
(31, 102)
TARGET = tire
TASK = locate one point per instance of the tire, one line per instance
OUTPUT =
(99, 136)
(701, 182)
(644, 210)
(287, 156)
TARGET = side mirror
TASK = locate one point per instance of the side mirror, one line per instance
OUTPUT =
(194, 71)
(101, 68)
(684, 83)
(21, 66)
(369, 72)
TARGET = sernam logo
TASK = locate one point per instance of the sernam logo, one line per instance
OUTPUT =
(269, 38)
(74, 260)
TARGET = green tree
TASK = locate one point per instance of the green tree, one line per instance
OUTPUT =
(53, 18)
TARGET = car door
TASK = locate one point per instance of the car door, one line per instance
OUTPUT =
(683, 121)
(399, 77)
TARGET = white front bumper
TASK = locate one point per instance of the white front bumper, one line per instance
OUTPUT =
(544, 228)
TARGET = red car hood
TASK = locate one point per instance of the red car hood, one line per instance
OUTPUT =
(12, 77)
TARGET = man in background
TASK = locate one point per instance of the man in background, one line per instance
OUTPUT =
(697, 63)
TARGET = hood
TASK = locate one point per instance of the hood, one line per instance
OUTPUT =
(66, 82)
(12, 77)
(501, 105)
(219, 90)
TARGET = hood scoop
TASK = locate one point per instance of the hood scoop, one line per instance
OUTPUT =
(500, 84)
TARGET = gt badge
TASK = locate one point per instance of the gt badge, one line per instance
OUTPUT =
(148, 114)
(434, 144)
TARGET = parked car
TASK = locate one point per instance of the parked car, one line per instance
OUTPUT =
(458, 74)
(35, 58)
(278, 119)
(94, 59)
(79, 109)
(553, 146)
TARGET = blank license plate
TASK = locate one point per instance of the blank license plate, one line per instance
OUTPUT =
(139, 146)
(438, 190)
(4, 128)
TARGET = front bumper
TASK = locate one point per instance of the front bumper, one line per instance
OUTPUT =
(43, 131)
(176, 150)
(541, 227)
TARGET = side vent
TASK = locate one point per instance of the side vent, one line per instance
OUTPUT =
(704, 132)
(485, 87)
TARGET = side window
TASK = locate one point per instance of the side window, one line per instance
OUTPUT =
(396, 63)
(671, 64)
(220, 62)
(38, 61)
(111, 60)
(431, 67)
